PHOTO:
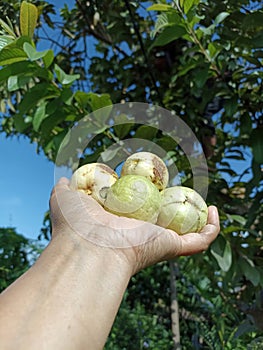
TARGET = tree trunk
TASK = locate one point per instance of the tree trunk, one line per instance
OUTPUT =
(174, 305)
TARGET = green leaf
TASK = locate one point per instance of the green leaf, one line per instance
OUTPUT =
(187, 5)
(208, 30)
(165, 20)
(161, 22)
(8, 28)
(98, 101)
(250, 271)
(28, 18)
(12, 83)
(187, 67)
(169, 34)
(201, 76)
(221, 17)
(33, 95)
(29, 69)
(59, 138)
(213, 49)
(253, 20)
(109, 154)
(20, 42)
(257, 144)
(160, 7)
(240, 219)
(145, 132)
(233, 228)
(257, 40)
(20, 124)
(122, 125)
(48, 58)
(5, 40)
(39, 116)
(255, 207)
(16, 82)
(9, 55)
(63, 78)
(221, 250)
(98, 104)
(50, 121)
(82, 98)
(32, 53)
(231, 106)
(245, 124)
(257, 173)
(67, 96)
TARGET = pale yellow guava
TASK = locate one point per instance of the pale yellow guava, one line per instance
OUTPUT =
(149, 165)
(94, 179)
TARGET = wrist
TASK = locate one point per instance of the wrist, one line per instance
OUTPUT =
(99, 278)
(87, 254)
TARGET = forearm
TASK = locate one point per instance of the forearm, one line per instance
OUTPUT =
(67, 300)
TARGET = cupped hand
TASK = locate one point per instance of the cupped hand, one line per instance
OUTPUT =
(138, 242)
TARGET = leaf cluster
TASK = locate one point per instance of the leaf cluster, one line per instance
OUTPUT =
(200, 59)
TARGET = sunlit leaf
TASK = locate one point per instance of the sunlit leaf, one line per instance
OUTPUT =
(32, 53)
(221, 17)
(187, 5)
(17, 82)
(39, 116)
(28, 18)
(8, 28)
(48, 58)
(63, 78)
(9, 55)
(240, 219)
(222, 254)
(160, 7)
(5, 40)
(110, 153)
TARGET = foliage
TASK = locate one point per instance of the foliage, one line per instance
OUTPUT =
(17, 254)
(200, 58)
(138, 328)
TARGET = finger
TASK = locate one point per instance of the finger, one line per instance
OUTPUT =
(193, 243)
(63, 181)
(62, 184)
(213, 217)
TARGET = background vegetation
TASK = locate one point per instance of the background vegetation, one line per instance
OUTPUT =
(202, 59)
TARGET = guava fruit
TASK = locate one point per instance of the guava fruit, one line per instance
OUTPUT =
(183, 210)
(134, 196)
(94, 179)
(149, 165)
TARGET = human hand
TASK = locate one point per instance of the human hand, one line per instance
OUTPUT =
(139, 243)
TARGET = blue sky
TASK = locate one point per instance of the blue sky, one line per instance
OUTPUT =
(26, 180)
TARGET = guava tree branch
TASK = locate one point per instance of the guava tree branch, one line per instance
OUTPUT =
(100, 36)
(150, 71)
(174, 305)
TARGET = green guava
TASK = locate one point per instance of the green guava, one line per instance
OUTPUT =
(134, 196)
(183, 210)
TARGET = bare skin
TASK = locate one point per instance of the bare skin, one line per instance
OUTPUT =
(70, 297)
